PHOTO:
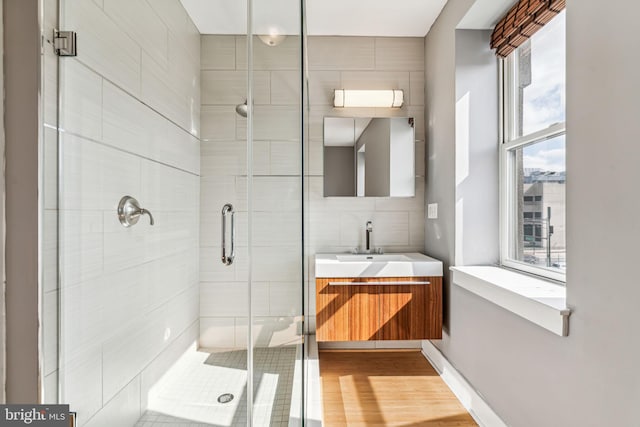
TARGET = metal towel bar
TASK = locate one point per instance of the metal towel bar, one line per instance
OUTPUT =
(228, 209)
(378, 283)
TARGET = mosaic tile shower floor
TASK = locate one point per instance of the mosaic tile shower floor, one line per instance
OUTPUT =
(187, 396)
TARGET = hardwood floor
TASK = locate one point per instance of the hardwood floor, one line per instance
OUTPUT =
(386, 388)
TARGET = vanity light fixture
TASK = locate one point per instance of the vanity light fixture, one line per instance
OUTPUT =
(391, 98)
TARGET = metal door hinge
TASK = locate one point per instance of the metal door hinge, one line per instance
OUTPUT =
(64, 43)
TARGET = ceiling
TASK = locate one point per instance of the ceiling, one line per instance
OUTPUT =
(385, 18)
(485, 14)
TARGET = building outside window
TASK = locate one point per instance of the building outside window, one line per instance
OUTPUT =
(533, 173)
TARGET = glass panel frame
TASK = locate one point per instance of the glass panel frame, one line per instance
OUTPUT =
(512, 144)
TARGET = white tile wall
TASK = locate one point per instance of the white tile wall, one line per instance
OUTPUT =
(337, 223)
(137, 343)
(82, 376)
(131, 126)
(81, 246)
(218, 53)
(333, 224)
(376, 80)
(230, 87)
(81, 98)
(223, 158)
(218, 332)
(285, 298)
(342, 53)
(285, 158)
(179, 23)
(158, 90)
(285, 87)
(276, 185)
(139, 20)
(285, 56)
(122, 410)
(416, 94)
(51, 388)
(321, 85)
(50, 331)
(131, 115)
(50, 171)
(276, 123)
(268, 331)
(226, 299)
(128, 124)
(105, 46)
(187, 342)
(399, 53)
(50, 250)
(95, 177)
(218, 122)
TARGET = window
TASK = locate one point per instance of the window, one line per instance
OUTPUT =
(533, 154)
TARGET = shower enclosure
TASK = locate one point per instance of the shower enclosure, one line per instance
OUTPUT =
(173, 256)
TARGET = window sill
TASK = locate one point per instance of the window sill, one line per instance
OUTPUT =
(539, 301)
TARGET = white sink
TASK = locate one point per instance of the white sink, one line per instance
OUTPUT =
(374, 265)
(372, 257)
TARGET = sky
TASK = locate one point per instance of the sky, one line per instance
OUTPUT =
(547, 155)
(544, 98)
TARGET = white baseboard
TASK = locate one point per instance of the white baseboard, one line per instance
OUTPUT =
(313, 395)
(369, 345)
(470, 399)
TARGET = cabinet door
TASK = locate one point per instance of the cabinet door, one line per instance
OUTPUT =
(410, 312)
(433, 309)
(363, 312)
(345, 312)
(400, 314)
(332, 311)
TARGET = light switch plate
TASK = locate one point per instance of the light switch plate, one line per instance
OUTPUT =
(432, 211)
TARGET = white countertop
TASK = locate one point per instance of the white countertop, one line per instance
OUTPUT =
(386, 265)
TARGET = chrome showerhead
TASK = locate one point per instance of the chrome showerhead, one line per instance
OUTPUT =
(242, 109)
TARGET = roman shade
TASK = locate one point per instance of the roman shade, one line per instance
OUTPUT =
(521, 22)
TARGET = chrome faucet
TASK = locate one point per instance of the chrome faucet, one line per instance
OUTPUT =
(367, 249)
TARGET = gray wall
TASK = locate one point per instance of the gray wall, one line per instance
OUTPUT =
(22, 65)
(2, 242)
(476, 156)
(339, 171)
(529, 376)
(440, 91)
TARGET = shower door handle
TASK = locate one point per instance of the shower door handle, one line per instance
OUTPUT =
(227, 210)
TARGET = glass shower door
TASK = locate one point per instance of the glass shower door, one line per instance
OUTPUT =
(169, 128)
(276, 210)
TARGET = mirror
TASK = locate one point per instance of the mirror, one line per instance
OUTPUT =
(369, 157)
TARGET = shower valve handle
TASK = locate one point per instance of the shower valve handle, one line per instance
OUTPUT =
(129, 212)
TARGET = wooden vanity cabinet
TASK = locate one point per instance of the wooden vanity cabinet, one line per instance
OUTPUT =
(347, 310)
